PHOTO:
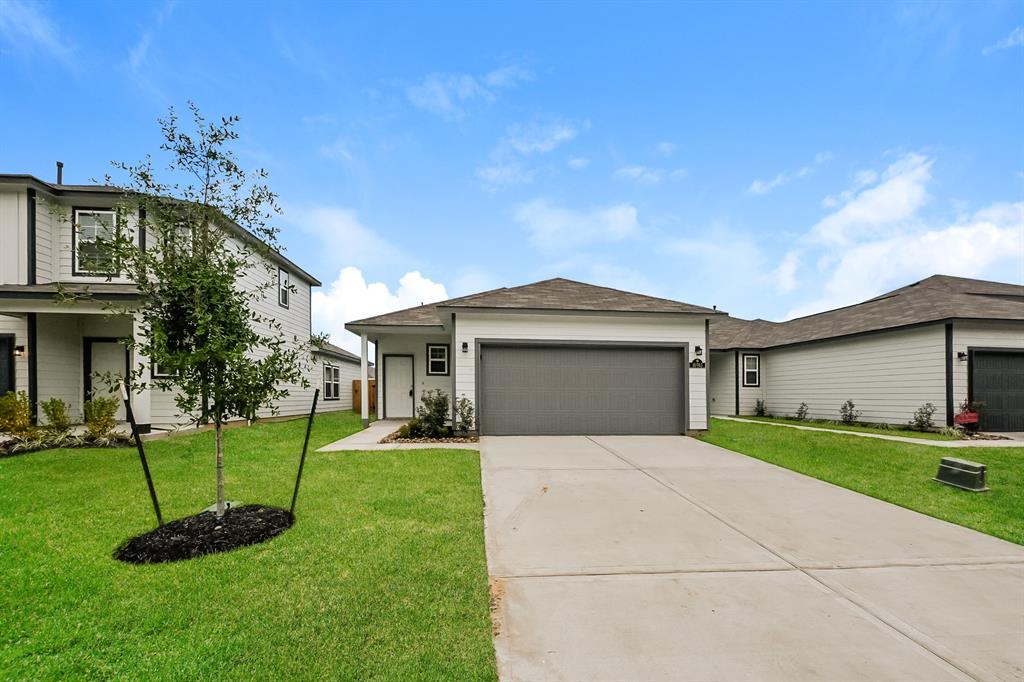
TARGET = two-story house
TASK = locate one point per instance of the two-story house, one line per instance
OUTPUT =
(48, 238)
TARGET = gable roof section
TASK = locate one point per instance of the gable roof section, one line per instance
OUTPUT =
(939, 297)
(338, 352)
(557, 294)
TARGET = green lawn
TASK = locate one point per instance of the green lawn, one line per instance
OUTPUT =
(897, 472)
(862, 428)
(382, 577)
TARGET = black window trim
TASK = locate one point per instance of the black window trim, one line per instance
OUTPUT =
(284, 289)
(335, 371)
(744, 370)
(447, 359)
(75, 272)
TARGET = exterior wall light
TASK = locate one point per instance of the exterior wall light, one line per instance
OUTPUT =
(19, 351)
(465, 346)
(961, 356)
(697, 350)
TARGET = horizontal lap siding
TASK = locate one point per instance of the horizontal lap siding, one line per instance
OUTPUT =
(13, 237)
(631, 329)
(415, 345)
(888, 375)
(349, 371)
(19, 327)
(722, 384)
(968, 334)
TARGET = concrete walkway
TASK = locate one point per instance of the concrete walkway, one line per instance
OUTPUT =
(665, 558)
(1016, 440)
(368, 439)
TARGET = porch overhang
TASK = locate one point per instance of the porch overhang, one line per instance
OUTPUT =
(65, 298)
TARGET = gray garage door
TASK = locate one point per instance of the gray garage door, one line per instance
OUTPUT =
(580, 390)
(998, 381)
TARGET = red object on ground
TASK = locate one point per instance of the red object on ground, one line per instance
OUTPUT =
(966, 418)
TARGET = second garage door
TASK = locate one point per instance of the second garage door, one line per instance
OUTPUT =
(581, 390)
(998, 382)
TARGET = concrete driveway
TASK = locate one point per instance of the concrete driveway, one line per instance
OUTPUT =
(665, 558)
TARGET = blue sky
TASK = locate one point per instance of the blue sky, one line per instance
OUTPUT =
(770, 159)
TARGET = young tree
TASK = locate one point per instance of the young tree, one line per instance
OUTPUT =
(207, 227)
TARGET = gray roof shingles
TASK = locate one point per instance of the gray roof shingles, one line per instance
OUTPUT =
(551, 294)
(939, 297)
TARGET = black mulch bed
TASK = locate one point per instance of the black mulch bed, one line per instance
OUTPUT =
(204, 533)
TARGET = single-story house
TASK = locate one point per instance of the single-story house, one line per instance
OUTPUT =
(553, 357)
(339, 368)
(942, 340)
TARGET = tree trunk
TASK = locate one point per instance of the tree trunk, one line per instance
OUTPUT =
(220, 467)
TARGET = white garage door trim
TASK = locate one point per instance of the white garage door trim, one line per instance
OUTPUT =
(483, 343)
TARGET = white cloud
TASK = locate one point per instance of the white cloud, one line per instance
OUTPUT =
(578, 162)
(989, 238)
(901, 192)
(665, 149)
(645, 175)
(340, 232)
(766, 186)
(1015, 39)
(785, 274)
(27, 27)
(552, 227)
(349, 297)
(506, 166)
(339, 150)
(449, 94)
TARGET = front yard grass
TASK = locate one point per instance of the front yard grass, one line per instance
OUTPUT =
(861, 428)
(382, 577)
(896, 472)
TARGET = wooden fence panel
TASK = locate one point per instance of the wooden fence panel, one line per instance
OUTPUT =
(357, 395)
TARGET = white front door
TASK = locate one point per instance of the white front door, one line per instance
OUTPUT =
(108, 356)
(398, 388)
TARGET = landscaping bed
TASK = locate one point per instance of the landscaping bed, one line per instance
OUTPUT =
(860, 428)
(383, 575)
(396, 438)
(893, 471)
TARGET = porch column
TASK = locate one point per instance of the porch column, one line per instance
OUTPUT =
(364, 379)
(141, 400)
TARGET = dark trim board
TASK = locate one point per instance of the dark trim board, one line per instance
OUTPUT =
(481, 343)
(30, 217)
(32, 332)
(707, 374)
(50, 295)
(736, 367)
(949, 374)
(142, 230)
(383, 381)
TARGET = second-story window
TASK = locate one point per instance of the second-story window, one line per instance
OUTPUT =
(93, 232)
(283, 290)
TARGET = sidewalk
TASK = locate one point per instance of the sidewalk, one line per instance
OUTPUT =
(1017, 441)
(368, 439)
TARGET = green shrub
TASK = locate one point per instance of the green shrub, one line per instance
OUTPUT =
(433, 413)
(99, 418)
(801, 413)
(848, 413)
(922, 419)
(464, 414)
(58, 418)
(15, 415)
(759, 409)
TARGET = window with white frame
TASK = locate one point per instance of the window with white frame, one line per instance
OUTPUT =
(332, 382)
(437, 359)
(751, 371)
(93, 230)
(283, 287)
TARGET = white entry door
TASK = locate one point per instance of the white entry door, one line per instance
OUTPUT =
(398, 387)
(108, 356)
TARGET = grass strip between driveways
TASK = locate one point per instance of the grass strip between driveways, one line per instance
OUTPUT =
(382, 577)
(896, 472)
(859, 428)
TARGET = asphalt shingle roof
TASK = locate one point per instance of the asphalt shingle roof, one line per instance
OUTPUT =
(939, 297)
(550, 294)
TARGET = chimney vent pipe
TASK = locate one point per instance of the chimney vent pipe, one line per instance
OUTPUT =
(60, 172)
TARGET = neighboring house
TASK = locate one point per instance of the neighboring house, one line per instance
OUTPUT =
(941, 340)
(51, 350)
(554, 357)
(339, 369)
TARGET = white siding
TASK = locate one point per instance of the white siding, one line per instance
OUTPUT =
(416, 346)
(46, 244)
(13, 237)
(59, 360)
(888, 375)
(348, 371)
(672, 329)
(19, 327)
(722, 384)
(968, 334)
